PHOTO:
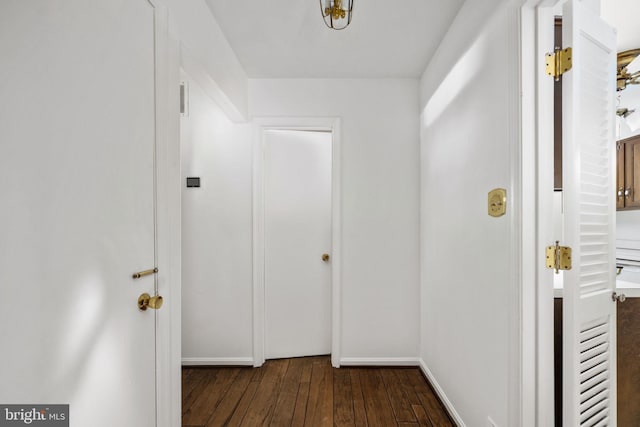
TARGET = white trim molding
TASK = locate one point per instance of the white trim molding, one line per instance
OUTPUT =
(217, 361)
(380, 361)
(440, 392)
(536, 284)
(167, 194)
(333, 125)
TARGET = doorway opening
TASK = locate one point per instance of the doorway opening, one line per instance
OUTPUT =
(296, 212)
(588, 215)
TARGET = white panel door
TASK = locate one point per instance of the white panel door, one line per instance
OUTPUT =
(77, 137)
(297, 213)
(589, 219)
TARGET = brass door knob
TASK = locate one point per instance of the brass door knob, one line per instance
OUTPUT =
(147, 301)
(325, 257)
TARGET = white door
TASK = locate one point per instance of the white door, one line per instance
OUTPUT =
(589, 219)
(297, 214)
(77, 136)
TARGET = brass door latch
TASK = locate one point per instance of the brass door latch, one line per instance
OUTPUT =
(147, 301)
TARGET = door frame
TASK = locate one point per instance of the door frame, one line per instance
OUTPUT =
(537, 375)
(168, 385)
(329, 124)
(537, 39)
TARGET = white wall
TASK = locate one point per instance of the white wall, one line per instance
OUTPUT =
(205, 44)
(628, 225)
(380, 187)
(466, 150)
(216, 230)
(468, 23)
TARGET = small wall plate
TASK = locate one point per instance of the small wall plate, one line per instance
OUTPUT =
(497, 202)
(193, 182)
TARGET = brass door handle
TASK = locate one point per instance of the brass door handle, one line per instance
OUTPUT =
(145, 273)
(325, 257)
(147, 301)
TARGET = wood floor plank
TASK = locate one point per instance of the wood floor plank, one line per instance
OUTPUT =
(261, 410)
(320, 404)
(321, 360)
(378, 407)
(436, 413)
(305, 377)
(258, 373)
(205, 404)
(285, 405)
(397, 396)
(204, 377)
(359, 410)
(300, 411)
(416, 379)
(186, 374)
(244, 404)
(407, 385)
(231, 399)
(189, 381)
(342, 399)
(421, 416)
(274, 370)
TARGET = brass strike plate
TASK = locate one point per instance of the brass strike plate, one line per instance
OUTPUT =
(497, 202)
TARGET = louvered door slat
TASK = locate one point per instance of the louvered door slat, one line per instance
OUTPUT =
(589, 219)
(594, 394)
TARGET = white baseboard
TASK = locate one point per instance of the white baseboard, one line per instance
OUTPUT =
(217, 361)
(379, 361)
(443, 397)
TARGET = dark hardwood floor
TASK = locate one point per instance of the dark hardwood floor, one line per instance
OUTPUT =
(308, 392)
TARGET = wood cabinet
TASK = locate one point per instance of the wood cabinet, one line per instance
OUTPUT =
(628, 174)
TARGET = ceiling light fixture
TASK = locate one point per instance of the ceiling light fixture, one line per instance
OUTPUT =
(335, 16)
(624, 112)
(624, 76)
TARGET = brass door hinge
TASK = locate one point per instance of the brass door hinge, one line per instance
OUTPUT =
(559, 62)
(558, 257)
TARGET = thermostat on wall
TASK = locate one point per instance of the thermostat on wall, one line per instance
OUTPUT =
(193, 182)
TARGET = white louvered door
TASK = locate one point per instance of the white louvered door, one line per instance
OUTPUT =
(589, 356)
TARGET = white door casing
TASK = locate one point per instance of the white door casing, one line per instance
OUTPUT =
(83, 112)
(297, 215)
(589, 314)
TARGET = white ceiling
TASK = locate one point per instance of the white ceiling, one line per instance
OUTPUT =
(288, 39)
(624, 15)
